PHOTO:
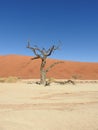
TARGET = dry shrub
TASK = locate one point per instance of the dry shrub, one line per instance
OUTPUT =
(51, 80)
(10, 79)
(2, 80)
(76, 76)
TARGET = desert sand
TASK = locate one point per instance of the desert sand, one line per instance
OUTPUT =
(24, 67)
(26, 106)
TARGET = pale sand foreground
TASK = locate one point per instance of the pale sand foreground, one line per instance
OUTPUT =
(32, 107)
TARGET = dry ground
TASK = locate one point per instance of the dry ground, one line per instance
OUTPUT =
(25, 106)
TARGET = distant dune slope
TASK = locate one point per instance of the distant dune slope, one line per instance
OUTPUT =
(24, 67)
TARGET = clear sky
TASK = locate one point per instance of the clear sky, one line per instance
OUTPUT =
(45, 22)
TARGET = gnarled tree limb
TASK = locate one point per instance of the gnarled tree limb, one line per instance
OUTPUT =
(55, 63)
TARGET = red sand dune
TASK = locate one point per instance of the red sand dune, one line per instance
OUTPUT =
(24, 67)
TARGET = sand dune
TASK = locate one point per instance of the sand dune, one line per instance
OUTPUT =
(24, 67)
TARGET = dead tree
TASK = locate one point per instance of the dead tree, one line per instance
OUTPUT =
(43, 54)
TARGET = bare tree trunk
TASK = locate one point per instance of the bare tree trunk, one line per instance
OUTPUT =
(43, 72)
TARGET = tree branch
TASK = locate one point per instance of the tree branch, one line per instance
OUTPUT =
(37, 57)
(50, 50)
(58, 62)
(42, 53)
(35, 49)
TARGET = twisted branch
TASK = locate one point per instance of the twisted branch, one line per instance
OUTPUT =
(55, 63)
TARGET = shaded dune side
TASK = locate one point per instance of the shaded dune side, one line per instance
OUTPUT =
(24, 67)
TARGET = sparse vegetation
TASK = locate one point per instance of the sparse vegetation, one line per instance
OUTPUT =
(51, 79)
(76, 76)
(2, 80)
(10, 79)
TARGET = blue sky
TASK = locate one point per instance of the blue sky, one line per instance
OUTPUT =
(45, 22)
